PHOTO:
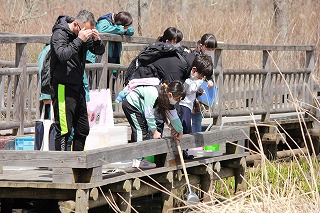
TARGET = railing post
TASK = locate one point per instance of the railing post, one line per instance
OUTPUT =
(103, 76)
(310, 65)
(20, 88)
(217, 66)
(266, 86)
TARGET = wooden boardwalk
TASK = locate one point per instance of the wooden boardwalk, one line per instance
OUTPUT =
(80, 180)
(76, 173)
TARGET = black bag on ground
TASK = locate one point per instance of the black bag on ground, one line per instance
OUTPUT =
(45, 133)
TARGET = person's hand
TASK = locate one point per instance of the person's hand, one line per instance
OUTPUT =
(210, 84)
(85, 34)
(178, 136)
(156, 134)
(95, 35)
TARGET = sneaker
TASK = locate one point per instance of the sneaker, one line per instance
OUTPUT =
(186, 156)
(143, 164)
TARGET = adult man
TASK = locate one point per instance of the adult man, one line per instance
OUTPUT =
(70, 41)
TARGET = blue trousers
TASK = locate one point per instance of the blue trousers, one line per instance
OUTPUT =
(196, 119)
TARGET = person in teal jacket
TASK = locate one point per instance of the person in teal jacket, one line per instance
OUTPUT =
(120, 24)
(45, 99)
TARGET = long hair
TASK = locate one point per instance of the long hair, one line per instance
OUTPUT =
(171, 34)
(208, 40)
(177, 90)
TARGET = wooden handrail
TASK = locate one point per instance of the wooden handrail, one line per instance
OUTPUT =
(241, 91)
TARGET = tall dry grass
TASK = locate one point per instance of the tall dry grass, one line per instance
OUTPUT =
(238, 22)
(233, 21)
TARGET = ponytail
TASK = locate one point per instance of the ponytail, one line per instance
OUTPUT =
(177, 90)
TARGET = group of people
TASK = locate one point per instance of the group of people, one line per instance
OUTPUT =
(76, 41)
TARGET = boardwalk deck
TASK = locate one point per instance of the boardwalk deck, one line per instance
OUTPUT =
(83, 171)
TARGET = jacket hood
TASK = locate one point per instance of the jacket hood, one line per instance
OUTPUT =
(63, 23)
(106, 16)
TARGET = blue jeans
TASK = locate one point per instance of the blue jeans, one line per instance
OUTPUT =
(196, 122)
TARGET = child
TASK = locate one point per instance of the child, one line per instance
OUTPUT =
(202, 68)
(206, 46)
(140, 106)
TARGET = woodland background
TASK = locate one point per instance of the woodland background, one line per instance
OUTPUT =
(294, 22)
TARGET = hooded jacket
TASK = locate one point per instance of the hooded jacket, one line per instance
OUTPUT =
(68, 54)
(105, 25)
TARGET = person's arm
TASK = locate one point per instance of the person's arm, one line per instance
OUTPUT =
(64, 49)
(174, 119)
(129, 31)
(192, 86)
(97, 47)
(104, 26)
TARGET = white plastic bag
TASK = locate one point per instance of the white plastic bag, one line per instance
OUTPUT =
(99, 108)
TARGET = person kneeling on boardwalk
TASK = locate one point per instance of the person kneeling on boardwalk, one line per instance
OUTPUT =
(140, 106)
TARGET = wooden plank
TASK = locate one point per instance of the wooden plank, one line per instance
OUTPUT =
(221, 91)
(260, 96)
(43, 159)
(228, 107)
(267, 85)
(2, 82)
(151, 147)
(25, 38)
(20, 62)
(235, 92)
(29, 38)
(264, 71)
(254, 47)
(31, 92)
(102, 81)
(9, 99)
(10, 71)
(63, 175)
(9, 125)
(255, 88)
(6, 63)
(98, 157)
(251, 87)
(110, 178)
(100, 66)
(133, 47)
(37, 193)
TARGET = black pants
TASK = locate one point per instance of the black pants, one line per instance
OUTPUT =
(70, 110)
(137, 121)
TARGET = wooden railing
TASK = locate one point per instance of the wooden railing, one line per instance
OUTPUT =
(242, 91)
(266, 90)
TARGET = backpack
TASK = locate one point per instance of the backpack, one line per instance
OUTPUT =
(141, 66)
(46, 87)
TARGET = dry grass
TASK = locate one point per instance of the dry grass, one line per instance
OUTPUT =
(237, 22)
(232, 22)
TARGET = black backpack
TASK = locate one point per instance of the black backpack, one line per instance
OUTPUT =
(46, 87)
(141, 66)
